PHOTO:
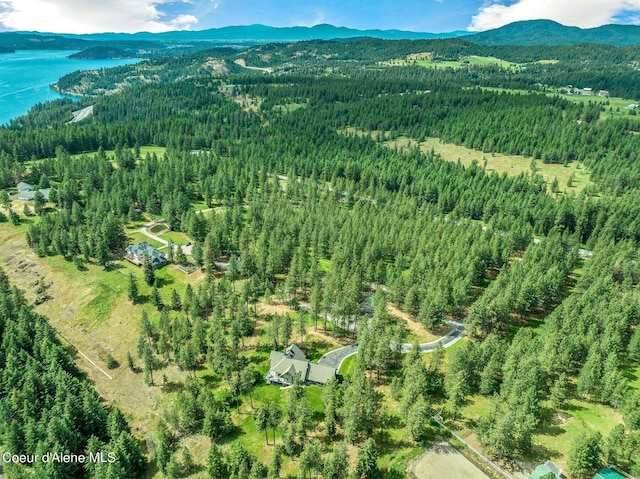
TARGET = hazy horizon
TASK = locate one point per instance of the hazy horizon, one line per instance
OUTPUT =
(433, 16)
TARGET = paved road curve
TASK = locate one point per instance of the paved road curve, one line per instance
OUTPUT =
(336, 357)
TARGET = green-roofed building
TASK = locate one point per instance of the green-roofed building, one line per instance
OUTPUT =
(608, 473)
(547, 470)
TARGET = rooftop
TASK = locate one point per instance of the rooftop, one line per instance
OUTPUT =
(607, 473)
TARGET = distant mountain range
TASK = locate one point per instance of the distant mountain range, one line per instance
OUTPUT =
(532, 32)
(263, 33)
(547, 32)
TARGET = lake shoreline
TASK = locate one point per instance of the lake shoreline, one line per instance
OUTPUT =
(29, 77)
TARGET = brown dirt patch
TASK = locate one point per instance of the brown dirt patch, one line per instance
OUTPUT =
(560, 418)
(414, 327)
(444, 460)
(273, 308)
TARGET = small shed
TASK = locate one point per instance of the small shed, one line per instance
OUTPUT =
(608, 473)
(544, 469)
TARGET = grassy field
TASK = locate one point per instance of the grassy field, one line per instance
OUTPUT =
(136, 236)
(512, 165)
(158, 150)
(427, 61)
(557, 430)
(561, 429)
(175, 236)
(614, 107)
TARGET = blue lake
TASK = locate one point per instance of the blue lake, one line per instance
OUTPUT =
(25, 77)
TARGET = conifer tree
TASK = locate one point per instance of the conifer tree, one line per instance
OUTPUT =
(133, 289)
(149, 273)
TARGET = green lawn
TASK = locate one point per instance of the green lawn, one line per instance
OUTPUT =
(175, 236)
(556, 437)
(136, 236)
(348, 366)
(253, 439)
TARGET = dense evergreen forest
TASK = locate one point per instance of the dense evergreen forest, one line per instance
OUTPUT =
(311, 206)
(48, 406)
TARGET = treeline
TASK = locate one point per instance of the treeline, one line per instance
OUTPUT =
(47, 405)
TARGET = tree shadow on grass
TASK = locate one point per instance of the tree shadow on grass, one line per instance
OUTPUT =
(573, 407)
(162, 281)
(210, 380)
(171, 387)
(540, 453)
(235, 434)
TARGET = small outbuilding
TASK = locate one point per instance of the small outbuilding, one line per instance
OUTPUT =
(546, 469)
(608, 473)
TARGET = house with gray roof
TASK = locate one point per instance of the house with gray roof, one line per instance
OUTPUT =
(136, 253)
(286, 365)
(30, 195)
(22, 186)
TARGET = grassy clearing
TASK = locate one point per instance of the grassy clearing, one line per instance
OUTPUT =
(175, 236)
(158, 150)
(136, 236)
(199, 205)
(289, 107)
(558, 429)
(512, 165)
(90, 310)
(561, 429)
(614, 107)
(427, 61)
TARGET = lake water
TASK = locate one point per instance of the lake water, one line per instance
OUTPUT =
(25, 77)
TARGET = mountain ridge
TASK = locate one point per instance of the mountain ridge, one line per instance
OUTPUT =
(523, 33)
(260, 32)
(549, 32)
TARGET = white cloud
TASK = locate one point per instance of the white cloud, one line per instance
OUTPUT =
(89, 16)
(580, 13)
(183, 22)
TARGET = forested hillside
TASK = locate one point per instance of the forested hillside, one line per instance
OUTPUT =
(48, 406)
(299, 208)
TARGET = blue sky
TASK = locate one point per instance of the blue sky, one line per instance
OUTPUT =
(88, 16)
